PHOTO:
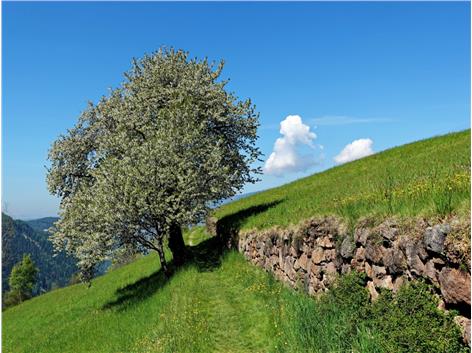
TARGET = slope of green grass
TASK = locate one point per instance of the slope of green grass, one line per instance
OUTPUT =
(134, 309)
(202, 308)
(223, 304)
(428, 178)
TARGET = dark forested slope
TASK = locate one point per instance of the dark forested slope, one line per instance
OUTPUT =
(42, 224)
(20, 237)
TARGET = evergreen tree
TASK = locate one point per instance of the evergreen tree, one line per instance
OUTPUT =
(22, 281)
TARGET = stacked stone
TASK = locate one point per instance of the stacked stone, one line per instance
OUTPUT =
(304, 257)
(311, 255)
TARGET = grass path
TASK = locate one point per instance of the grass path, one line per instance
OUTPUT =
(202, 308)
(215, 315)
(217, 307)
(195, 235)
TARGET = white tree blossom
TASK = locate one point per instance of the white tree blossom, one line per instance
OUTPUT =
(149, 158)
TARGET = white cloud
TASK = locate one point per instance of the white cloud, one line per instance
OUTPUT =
(355, 150)
(286, 157)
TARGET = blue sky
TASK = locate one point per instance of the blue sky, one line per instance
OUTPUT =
(390, 73)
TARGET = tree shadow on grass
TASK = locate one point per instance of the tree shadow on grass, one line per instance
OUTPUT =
(228, 227)
(138, 291)
(206, 256)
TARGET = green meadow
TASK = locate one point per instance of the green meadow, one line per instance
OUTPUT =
(219, 302)
(429, 178)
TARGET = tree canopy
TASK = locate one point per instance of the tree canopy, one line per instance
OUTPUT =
(150, 157)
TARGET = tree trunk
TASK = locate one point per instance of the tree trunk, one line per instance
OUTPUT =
(162, 257)
(177, 245)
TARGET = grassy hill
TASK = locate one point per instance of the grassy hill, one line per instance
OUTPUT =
(134, 309)
(221, 303)
(429, 178)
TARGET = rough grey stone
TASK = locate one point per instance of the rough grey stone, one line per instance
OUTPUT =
(384, 282)
(318, 256)
(316, 270)
(438, 262)
(358, 261)
(346, 268)
(464, 324)
(361, 235)
(421, 251)
(434, 237)
(416, 265)
(394, 260)
(411, 249)
(292, 274)
(388, 230)
(397, 283)
(307, 248)
(328, 279)
(325, 242)
(379, 271)
(286, 237)
(297, 244)
(260, 251)
(372, 291)
(288, 264)
(441, 304)
(368, 270)
(313, 261)
(373, 252)
(329, 268)
(338, 262)
(285, 250)
(347, 248)
(315, 285)
(330, 254)
(360, 254)
(303, 261)
(430, 271)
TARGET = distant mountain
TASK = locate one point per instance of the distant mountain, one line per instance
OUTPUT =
(42, 224)
(20, 237)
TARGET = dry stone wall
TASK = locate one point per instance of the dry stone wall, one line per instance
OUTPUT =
(311, 255)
